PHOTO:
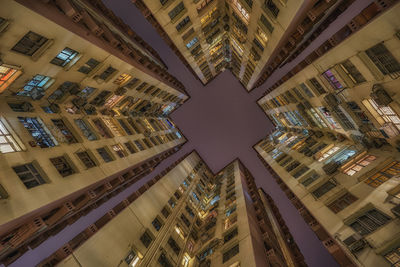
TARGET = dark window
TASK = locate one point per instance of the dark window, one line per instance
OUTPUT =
(163, 261)
(146, 239)
(29, 44)
(182, 23)
(177, 195)
(139, 145)
(383, 59)
(62, 166)
(189, 211)
(104, 154)
(317, 86)
(107, 73)
(29, 175)
(65, 131)
(85, 128)
(86, 159)
(64, 57)
(306, 90)
(89, 66)
(172, 243)
(369, 222)
(310, 179)
(230, 253)
(230, 235)
(185, 220)
(270, 5)
(323, 189)
(165, 212)
(174, 12)
(187, 34)
(103, 130)
(130, 147)
(124, 126)
(157, 224)
(342, 202)
(258, 44)
(352, 72)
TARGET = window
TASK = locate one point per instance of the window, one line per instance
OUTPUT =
(258, 44)
(192, 42)
(359, 164)
(107, 73)
(266, 23)
(157, 224)
(306, 90)
(242, 11)
(342, 202)
(328, 117)
(383, 59)
(300, 172)
(171, 202)
(369, 221)
(229, 222)
(63, 166)
(86, 159)
(230, 235)
(146, 239)
(324, 188)
(172, 243)
(389, 171)
(352, 72)
(8, 142)
(163, 260)
(89, 66)
(29, 175)
(317, 86)
(130, 147)
(139, 145)
(29, 44)
(178, 9)
(183, 23)
(394, 257)
(36, 86)
(383, 114)
(119, 150)
(132, 259)
(86, 130)
(3, 193)
(38, 131)
(230, 253)
(105, 154)
(231, 210)
(330, 77)
(64, 57)
(311, 177)
(123, 78)
(270, 6)
(185, 220)
(103, 130)
(187, 34)
(328, 153)
(60, 124)
(125, 126)
(8, 74)
(165, 212)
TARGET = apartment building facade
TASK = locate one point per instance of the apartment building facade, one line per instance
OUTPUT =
(84, 114)
(244, 36)
(184, 223)
(335, 150)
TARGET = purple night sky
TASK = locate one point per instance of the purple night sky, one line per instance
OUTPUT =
(222, 122)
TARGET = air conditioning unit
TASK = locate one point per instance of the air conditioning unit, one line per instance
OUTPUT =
(396, 210)
(370, 65)
(355, 243)
(380, 96)
(331, 100)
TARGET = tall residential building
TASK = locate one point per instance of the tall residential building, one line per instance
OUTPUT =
(84, 106)
(248, 37)
(187, 217)
(335, 150)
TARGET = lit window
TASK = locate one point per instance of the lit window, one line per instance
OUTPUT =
(186, 260)
(110, 122)
(394, 257)
(38, 131)
(328, 153)
(359, 164)
(119, 150)
(64, 57)
(192, 42)
(8, 141)
(8, 74)
(389, 171)
(132, 259)
(327, 115)
(123, 78)
(242, 11)
(263, 37)
(330, 77)
(383, 114)
(35, 88)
